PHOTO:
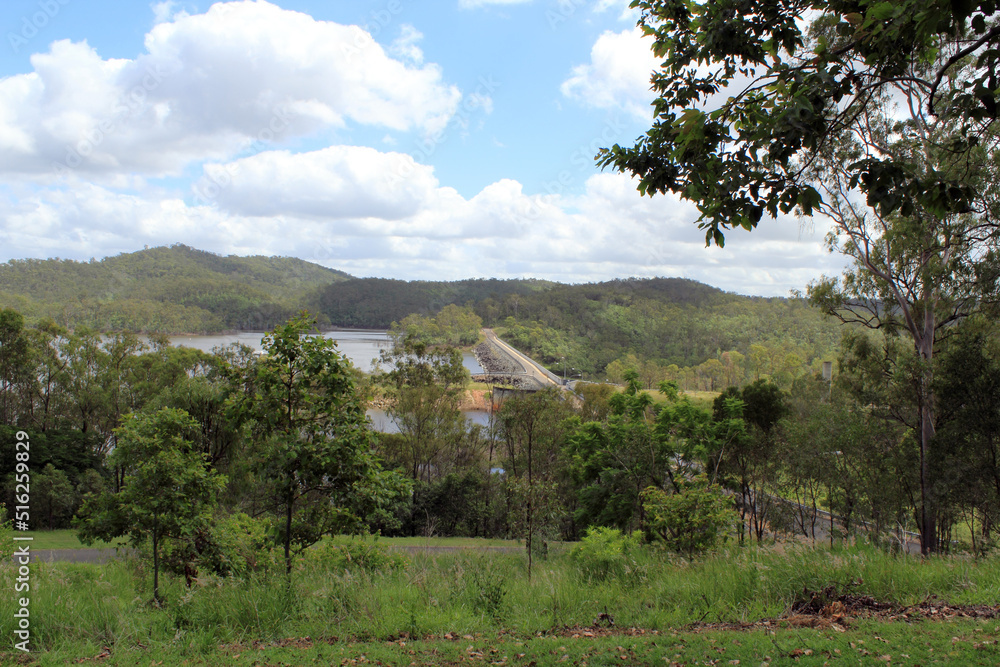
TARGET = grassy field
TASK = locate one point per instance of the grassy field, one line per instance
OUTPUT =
(869, 643)
(701, 399)
(479, 607)
(62, 539)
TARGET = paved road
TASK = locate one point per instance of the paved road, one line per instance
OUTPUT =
(73, 555)
(533, 370)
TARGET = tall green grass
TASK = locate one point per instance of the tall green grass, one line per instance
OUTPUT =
(465, 593)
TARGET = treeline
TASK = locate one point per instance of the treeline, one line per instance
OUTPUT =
(70, 392)
(169, 290)
(665, 328)
(664, 321)
(654, 324)
(762, 460)
(375, 303)
(276, 449)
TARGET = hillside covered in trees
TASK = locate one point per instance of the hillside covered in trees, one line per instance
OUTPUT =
(695, 334)
(375, 303)
(665, 328)
(168, 290)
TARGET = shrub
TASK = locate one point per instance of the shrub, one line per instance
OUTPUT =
(242, 544)
(690, 521)
(233, 545)
(361, 554)
(606, 552)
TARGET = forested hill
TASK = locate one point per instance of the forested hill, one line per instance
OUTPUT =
(663, 322)
(375, 303)
(595, 329)
(167, 289)
(649, 324)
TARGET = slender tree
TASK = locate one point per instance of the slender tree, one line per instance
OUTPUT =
(315, 459)
(168, 490)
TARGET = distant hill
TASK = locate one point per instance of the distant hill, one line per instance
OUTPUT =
(588, 326)
(583, 328)
(666, 320)
(167, 289)
(375, 303)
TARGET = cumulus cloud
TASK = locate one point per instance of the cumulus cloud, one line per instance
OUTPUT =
(339, 182)
(617, 76)
(327, 206)
(206, 87)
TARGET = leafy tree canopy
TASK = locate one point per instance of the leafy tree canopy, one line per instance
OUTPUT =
(790, 86)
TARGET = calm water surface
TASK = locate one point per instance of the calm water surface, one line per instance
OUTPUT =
(361, 346)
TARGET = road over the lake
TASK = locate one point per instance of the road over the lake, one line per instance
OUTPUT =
(538, 373)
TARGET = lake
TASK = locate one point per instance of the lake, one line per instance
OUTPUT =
(383, 423)
(361, 346)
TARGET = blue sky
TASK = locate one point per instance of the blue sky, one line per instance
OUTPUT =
(431, 140)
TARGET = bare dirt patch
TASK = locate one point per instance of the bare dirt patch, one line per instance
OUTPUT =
(834, 610)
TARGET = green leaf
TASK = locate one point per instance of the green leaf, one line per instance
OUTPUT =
(882, 11)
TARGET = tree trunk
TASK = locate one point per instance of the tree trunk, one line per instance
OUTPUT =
(156, 562)
(288, 538)
(925, 348)
(530, 508)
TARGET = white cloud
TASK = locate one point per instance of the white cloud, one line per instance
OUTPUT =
(617, 76)
(207, 86)
(164, 11)
(405, 46)
(330, 206)
(339, 182)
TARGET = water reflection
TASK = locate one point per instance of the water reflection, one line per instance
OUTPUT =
(383, 423)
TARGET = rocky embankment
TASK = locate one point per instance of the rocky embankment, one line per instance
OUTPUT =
(499, 367)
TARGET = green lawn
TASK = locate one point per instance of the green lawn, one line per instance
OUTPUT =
(964, 642)
(59, 539)
(464, 606)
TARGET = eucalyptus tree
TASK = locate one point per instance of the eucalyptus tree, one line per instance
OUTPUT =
(167, 493)
(426, 384)
(14, 355)
(532, 430)
(749, 92)
(314, 457)
(916, 269)
(969, 440)
(45, 396)
(879, 115)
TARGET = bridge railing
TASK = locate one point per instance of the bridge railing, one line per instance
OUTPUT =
(541, 369)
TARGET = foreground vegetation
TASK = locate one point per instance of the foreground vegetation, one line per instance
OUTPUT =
(964, 642)
(360, 598)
